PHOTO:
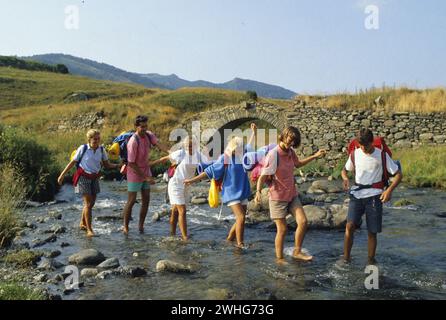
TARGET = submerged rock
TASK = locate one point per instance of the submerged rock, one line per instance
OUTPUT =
(87, 257)
(175, 267)
(132, 271)
(219, 294)
(111, 263)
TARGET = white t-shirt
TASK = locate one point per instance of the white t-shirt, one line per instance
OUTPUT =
(369, 170)
(92, 159)
(187, 164)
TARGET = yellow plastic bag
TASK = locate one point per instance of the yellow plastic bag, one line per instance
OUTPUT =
(214, 194)
(113, 151)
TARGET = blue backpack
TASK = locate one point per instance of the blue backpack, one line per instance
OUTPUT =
(123, 140)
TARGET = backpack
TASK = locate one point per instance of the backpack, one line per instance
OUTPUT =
(84, 149)
(123, 139)
(254, 161)
(379, 143)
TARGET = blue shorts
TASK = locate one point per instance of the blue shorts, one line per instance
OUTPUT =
(373, 209)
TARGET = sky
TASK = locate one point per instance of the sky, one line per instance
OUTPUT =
(308, 46)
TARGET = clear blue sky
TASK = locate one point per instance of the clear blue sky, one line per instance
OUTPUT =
(307, 46)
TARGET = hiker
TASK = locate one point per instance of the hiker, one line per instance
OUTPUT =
(235, 183)
(88, 159)
(371, 166)
(185, 162)
(278, 170)
(139, 175)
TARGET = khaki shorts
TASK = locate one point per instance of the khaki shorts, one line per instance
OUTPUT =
(280, 209)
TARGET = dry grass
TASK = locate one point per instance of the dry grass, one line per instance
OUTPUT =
(395, 99)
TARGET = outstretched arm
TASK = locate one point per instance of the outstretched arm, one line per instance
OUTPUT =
(321, 153)
(161, 160)
(253, 134)
(162, 147)
(198, 178)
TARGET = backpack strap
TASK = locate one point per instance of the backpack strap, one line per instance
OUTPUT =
(385, 178)
(84, 149)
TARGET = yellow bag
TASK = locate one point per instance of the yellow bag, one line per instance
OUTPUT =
(73, 154)
(113, 151)
(214, 194)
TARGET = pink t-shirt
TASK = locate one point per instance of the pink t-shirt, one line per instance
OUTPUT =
(283, 187)
(139, 153)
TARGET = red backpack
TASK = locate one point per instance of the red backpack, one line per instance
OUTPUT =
(379, 143)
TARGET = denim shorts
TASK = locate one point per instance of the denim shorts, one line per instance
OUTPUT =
(373, 209)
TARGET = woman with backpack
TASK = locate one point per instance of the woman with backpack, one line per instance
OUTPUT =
(185, 162)
(88, 159)
(228, 168)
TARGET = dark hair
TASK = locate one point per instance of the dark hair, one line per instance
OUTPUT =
(293, 133)
(365, 137)
(140, 119)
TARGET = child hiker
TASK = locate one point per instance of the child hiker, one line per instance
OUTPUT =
(278, 168)
(185, 161)
(369, 192)
(235, 183)
(88, 158)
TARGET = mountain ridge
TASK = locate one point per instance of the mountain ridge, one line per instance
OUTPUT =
(102, 71)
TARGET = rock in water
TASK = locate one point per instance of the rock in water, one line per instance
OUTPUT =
(111, 263)
(89, 272)
(90, 257)
(175, 267)
(317, 217)
(338, 215)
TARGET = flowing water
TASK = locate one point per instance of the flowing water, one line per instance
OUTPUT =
(411, 253)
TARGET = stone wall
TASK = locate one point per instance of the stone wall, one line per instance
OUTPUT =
(333, 129)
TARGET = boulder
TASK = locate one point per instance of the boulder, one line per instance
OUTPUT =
(89, 272)
(316, 217)
(175, 267)
(199, 200)
(87, 257)
(338, 215)
(111, 263)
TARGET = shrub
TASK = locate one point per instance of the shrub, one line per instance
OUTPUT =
(12, 194)
(252, 95)
(32, 159)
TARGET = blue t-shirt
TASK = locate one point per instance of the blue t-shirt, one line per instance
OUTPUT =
(236, 183)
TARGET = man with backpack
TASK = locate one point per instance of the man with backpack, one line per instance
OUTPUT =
(371, 161)
(139, 176)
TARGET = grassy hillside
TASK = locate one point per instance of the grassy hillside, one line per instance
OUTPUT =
(394, 99)
(31, 65)
(21, 88)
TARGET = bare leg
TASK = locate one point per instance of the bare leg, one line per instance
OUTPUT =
(131, 200)
(299, 236)
(348, 240)
(173, 221)
(89, 201)
(372, 244)
(83, 223)
(239, 213)
(182, 221)
(280, 238)
(232, 234)
(145, 197)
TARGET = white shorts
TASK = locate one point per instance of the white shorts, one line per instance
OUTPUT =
(178, 194)
(243, 202)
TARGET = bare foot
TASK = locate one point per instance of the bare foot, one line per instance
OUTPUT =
(371, 261)
(90, 233)
(141, 230)
(302, 256)
(125, 230)
(282, 262)
(82, 227)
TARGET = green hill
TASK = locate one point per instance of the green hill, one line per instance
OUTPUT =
(21, 88)
(14, 62)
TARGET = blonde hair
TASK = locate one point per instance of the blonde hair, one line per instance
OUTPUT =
(92, 133)
(234, 143)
